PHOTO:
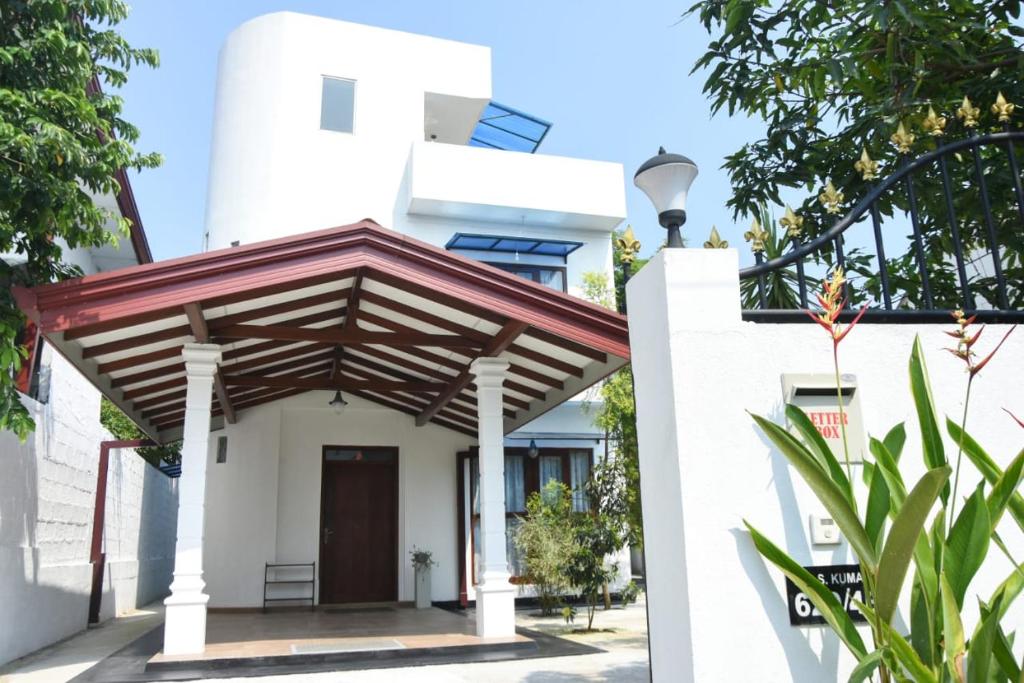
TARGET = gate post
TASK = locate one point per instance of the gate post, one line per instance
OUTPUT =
(678, 293)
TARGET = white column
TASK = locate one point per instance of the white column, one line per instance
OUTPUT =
(185, 619)
(679, 306)
(495, 596)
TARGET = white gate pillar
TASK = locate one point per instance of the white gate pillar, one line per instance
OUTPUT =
(679, 305)
(495, 595)
(185, 618)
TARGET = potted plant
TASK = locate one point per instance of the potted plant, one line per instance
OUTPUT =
(422, 561)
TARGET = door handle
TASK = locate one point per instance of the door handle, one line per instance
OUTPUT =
(327, 534)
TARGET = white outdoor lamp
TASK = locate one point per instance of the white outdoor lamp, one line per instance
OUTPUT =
(665, 179)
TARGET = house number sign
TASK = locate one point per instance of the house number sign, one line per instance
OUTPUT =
(844, 580)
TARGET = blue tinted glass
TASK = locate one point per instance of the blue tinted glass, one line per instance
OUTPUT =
(337, 106)
(471, 242)
(515, 245)
(554, 248)
(505, 128)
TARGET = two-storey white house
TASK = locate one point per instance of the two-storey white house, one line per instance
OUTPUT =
(321, 123)
(349, 394)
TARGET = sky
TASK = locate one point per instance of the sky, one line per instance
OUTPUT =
(612, 76)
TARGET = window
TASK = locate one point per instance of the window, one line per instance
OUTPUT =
(337, 104)
(33, 377)
(549, 276)
(523, 477)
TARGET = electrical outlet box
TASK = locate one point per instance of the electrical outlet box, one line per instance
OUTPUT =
(816, 395)
(824, 530)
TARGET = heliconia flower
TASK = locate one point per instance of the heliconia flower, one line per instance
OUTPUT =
(832, 303)
(966, 341)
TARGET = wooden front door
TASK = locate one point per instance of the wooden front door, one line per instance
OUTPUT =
(359, 525)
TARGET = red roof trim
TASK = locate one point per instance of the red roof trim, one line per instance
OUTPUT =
(292, 260)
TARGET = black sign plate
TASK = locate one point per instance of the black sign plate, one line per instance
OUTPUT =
(842, 579)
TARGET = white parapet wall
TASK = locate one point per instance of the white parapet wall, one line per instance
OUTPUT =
(47, 498)
(717, 611)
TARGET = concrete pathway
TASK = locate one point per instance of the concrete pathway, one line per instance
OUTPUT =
(64, 660)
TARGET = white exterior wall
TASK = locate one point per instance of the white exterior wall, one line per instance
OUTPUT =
(263, 504)
(273, 172)
(47, 498)
(705, 467)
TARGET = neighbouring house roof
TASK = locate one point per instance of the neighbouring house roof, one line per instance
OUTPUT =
(360, 308)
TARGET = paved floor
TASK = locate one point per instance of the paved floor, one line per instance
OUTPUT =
(622, 634)
(237, 635)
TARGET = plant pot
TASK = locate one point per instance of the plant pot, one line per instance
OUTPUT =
(422, 587)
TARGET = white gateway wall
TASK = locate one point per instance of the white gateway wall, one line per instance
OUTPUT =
(263, 504)
(705, 467)
(47, 498)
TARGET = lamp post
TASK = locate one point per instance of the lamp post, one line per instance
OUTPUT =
(665, 179)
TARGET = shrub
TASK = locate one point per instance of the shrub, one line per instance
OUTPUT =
(546, 540)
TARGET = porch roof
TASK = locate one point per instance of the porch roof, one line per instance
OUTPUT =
(359, 308)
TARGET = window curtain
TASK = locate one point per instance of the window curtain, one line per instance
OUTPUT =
(579, 468)
(550, 470)
(515, 562)
(515, 486)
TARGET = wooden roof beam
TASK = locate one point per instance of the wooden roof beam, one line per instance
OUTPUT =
(341, 336)
(201, 331)
(499, 343)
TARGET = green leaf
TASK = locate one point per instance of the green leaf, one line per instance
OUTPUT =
(1003, 653)
(898, 646)
(895, 439)
(886, 462)
(1004, 489)
(827, 491)
(865, 667)
(931, 438)
(878, 505)
(907, 528)
(817, 592)
(922, 624)
(952, 630)
(1009, 589)
(979, 656)
(967, 544)
(818, 448)
(987, 466)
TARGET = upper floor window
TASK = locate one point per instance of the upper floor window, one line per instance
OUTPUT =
(533, 258)
(337, 104)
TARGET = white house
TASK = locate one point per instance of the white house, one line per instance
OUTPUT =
(452, 334)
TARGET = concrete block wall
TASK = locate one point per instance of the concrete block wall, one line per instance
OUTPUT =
(47, 496)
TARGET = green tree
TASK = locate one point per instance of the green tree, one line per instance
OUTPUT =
(546, 542)
(830, 79)
(118, 424)
(62, 140)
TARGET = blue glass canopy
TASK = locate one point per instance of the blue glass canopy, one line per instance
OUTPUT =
(520, 245)
(503, 127)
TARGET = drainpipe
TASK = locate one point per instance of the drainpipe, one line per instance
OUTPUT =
(96, 555)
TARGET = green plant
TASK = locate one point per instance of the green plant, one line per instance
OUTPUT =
(546, 542)
(62, 143)
(629, 594)
(422, 559)
(900, 527)
(118, 424)
(569, 614)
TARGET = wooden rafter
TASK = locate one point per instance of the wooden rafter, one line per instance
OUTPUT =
(337, 336)
(499, 343)
(351, 312)
(294, 382)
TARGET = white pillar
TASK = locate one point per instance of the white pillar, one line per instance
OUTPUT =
(185, 619)
(495, 595)
(678, 304)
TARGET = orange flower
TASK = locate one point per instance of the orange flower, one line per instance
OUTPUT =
(832, 304)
